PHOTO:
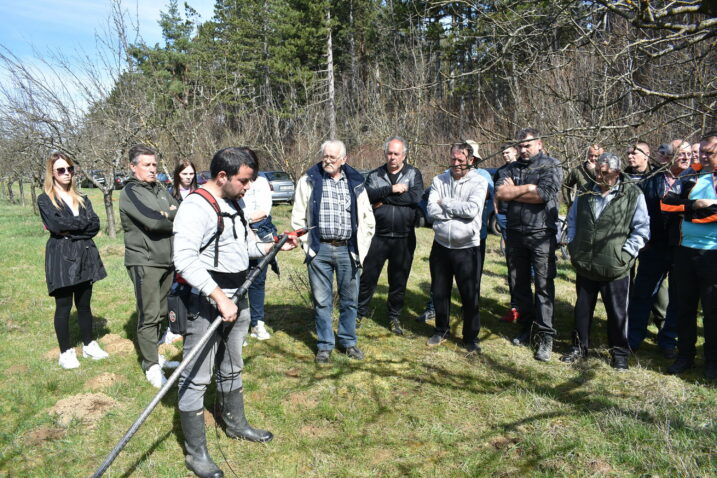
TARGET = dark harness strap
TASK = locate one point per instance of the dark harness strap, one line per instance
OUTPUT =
(220, 221)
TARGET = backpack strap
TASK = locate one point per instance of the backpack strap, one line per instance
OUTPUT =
(220, 221)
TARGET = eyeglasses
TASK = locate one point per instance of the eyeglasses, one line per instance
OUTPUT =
(62, 171)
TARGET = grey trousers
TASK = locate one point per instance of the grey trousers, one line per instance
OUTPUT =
(222, 353)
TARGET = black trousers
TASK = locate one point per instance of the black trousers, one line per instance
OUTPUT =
(615, 296)
(694, 272)
(463, 265)
(399, 253)
(536, 250)
(82, 293)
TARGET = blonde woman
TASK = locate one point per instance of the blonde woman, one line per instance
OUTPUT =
(72, 262)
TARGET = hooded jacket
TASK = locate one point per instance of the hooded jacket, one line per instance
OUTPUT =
(307, 203)
(457, 219)
(147, 232)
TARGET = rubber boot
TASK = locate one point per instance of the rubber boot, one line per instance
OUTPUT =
(197, 458)
(235, 422)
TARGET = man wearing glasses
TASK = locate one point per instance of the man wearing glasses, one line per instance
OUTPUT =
(331, 200)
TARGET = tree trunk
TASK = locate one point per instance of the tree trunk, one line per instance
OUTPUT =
(10, 194)
(33, 197)
(22, 193)
(330, 72)
(109, 210)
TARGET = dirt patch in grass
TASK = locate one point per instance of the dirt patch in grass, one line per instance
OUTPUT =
(88, 408)
(40, 435)
(317, 431)
(501, 442)
(17, 369)
(600, 467)
(302, 400)
(104, 380)
(116, 345)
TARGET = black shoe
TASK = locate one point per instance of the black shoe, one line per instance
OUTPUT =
(354, 353)
(669, 353)
(573, 355)
(323, 356)
(427, 314)
(436, 339)
(711, 370)
(545, 347)
(619, 362)
(396, 327)
(680, 365)
(523, 339)
(472, 348)
(197, 458)
(235, 422)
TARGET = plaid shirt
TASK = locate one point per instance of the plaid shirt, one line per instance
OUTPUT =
(334, 215)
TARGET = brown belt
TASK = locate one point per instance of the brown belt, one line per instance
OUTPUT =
(334, 242)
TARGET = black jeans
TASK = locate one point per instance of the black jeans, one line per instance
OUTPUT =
(536, 250)
(399, 253)
(615, 296)
(694, 272)
(464, 265)
(82, 293)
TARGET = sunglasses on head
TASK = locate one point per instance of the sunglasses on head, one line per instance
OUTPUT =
(61, 171)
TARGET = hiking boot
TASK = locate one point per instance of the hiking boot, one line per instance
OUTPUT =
(155, 376)
(428, 314)
(510, 315)
(472, 347)
(68, 359)
(235, 422)
(396, 327)
(94, 351)
(323, 356)
(682, 364)
(436, 339)
(259, 331)
(619, 362)
(354, 352)
(545, 347)
(523, 339)
(573, 355)
(197, 458)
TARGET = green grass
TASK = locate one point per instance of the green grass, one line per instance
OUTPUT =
(405, 411)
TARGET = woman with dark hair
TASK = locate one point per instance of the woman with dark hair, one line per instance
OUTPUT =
(185, 179)
(72, 262)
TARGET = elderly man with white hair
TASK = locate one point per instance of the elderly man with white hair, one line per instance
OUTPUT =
(606, 230)
(331, 200)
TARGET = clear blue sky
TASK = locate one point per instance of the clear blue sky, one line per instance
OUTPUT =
(29, 28)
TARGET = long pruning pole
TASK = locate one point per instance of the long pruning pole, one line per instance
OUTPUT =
(281, 240)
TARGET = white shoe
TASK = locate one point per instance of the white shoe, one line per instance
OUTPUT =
(259, 331)
(245, 344)
(164, 363)
(171, 337)
(68, 359)
(93, 351)
(155, 376)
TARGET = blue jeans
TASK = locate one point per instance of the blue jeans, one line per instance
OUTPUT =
(653, 266)
(264, 231)
(329, 260)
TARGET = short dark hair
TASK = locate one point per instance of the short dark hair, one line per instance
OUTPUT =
(525, 132)
(710, 136)
(231, 159)
(463, 146)
(138, 150)
(505, 146)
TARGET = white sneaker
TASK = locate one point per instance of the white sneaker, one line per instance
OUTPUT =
(171, 337)
(68, 359)
(259, 331)
(164, 363)
(93, 351)
(155, 376)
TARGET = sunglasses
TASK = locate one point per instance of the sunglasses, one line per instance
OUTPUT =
(61, 171)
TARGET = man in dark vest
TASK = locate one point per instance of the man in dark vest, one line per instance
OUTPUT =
(608, 224)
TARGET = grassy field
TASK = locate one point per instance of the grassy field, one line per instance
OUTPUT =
(405, 411)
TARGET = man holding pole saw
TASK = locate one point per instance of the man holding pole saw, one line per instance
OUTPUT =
(212, 248)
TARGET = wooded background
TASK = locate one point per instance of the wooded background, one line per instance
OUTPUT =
(281, 76)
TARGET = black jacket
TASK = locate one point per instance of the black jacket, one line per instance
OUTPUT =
(71, 256)
(395, 213)
(547, 174)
